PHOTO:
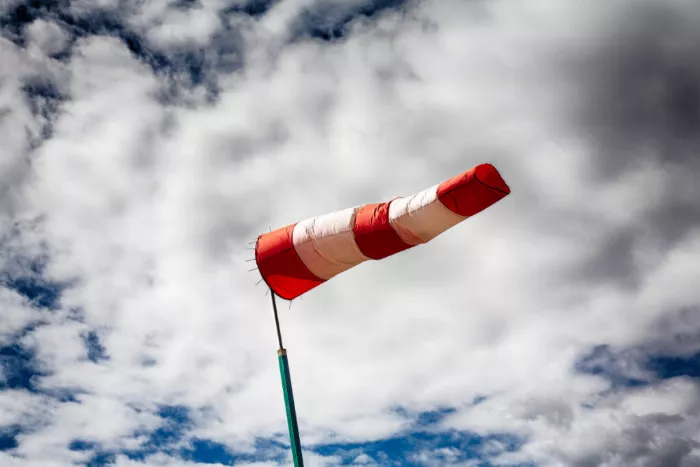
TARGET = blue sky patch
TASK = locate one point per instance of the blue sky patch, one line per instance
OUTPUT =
(403, 450)
(670, 367)
(8, 437)
(40, 293)
(615, 366)
(329, 21)
(627, 367)
(95, 350)
(20, 369)
(254, 8)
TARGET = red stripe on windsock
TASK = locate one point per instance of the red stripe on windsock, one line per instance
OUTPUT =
(280, 265)
(374, 235)
(473, 191)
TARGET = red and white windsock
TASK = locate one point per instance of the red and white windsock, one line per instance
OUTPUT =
(295, 259)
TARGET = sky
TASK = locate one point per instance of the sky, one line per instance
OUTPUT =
(144, 145)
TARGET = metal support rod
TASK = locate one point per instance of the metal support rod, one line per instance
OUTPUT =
(277, 320)
(288, 394)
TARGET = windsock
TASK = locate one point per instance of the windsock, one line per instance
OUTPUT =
(299, 257)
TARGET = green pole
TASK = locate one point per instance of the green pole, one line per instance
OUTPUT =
(291, 410)
(288, 394)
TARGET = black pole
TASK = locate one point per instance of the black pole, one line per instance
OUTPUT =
(277, 321)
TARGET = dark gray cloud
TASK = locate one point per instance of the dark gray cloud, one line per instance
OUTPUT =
(676, 333)
(639, 88)
(637, 102)
(614, 261)
(648, 442)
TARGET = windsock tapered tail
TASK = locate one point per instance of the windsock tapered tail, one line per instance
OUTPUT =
(296, 258)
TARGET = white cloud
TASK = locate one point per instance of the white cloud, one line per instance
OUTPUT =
(16, 314)
(19, 406)
(648, 426)
(363, 459)
(148, 204)
(49, 37)
(440, 456)
(91, 418)
(178, 27)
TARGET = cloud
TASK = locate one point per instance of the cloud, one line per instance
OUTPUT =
(144, 146)
(49, 37)
(629, 427)
(639, 93)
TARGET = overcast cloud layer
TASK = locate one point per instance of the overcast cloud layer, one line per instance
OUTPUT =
(142, 147)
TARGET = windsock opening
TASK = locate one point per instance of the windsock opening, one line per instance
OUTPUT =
(473, 191)
(488, 175)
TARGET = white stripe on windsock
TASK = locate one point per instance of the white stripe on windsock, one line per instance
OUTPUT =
(420, 218)
(326, 244)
